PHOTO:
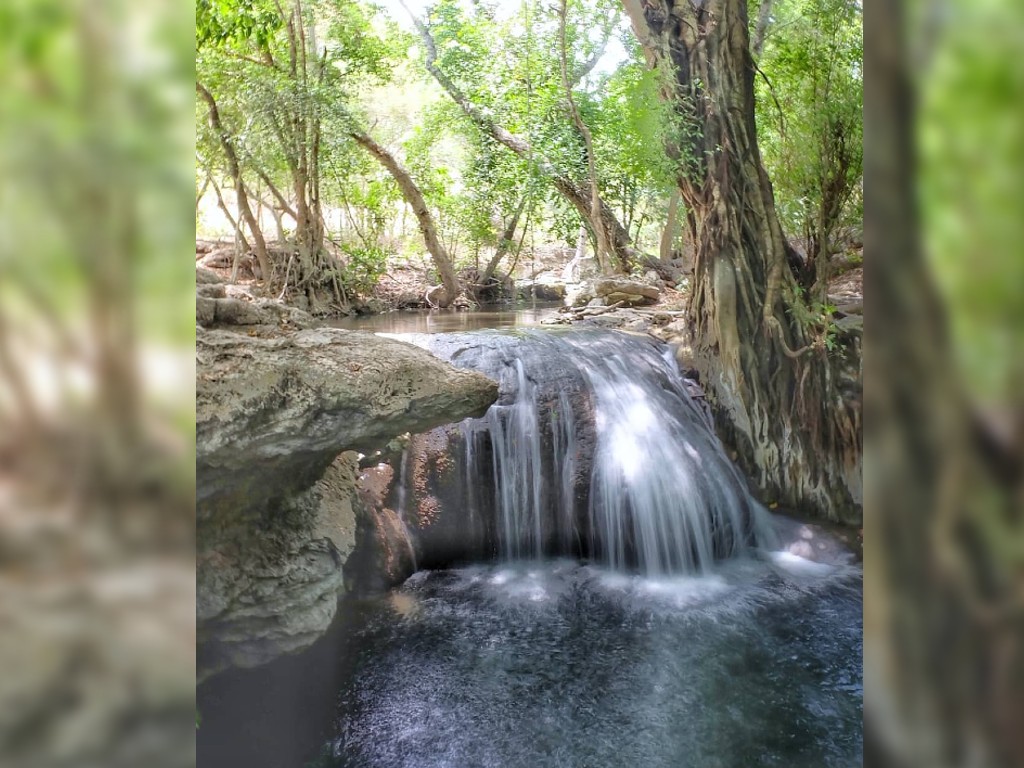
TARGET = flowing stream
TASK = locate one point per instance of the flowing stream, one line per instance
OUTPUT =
(632, 605)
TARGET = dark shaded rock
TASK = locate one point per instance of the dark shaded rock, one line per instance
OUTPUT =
(207, 276)
(211, 290)
(206, 310)
(238, 312)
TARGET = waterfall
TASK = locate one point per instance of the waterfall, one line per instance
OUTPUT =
(595, 448)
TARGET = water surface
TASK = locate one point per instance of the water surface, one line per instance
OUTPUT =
(450, 321)
(569, 665)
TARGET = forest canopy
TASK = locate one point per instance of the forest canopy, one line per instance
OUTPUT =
(521, 125)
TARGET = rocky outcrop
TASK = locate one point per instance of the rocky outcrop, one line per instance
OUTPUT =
(219, 304)
(276, 494)
(545, 287)
(605, 291)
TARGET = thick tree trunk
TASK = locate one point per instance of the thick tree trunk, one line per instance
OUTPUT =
(235, 170)
(414, 198)
(603, 219)
(775, 390)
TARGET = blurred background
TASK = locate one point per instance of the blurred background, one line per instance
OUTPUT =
(97, 443)
(944, 458)
(97, 622)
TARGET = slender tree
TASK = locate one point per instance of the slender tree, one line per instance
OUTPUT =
(235, 169)
(603, 244)
(414, 197)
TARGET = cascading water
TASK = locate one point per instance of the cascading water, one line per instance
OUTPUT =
(596, 448)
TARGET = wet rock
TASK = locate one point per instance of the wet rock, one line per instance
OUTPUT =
(522, 477)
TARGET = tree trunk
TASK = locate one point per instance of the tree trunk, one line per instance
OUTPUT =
(668, 234)
(759, 350)
(764, 16)
(414, 197)
(236, 174)
(505, 241)
(603, 249)
(201, 193)
(581, 199)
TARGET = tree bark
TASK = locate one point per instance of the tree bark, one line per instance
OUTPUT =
(668, 234)
(764, 16)
(603, 249)
(762, 357)
(413, 196)
(236, 174)
(505, 241)
(580, 198)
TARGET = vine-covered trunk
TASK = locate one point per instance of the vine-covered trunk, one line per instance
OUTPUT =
(668, 233)
(760, 350)
(943, 608)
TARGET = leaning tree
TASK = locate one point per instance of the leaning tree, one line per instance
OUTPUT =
(773, 362)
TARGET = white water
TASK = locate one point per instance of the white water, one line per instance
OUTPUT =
(596, 447)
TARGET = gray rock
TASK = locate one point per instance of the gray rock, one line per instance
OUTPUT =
(211, 290)
(245, 291)
(276, 506)
(238, 312)
(613, 289)
(206, 310)
(272, 588)
(610, 285)
(207, 276)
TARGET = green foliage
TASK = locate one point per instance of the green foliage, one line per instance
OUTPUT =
(220, 22)
(971, 149)
(244, 57)
(363, 268)
(631, 124)
(818, 317)
(809, 94)
(507, 62)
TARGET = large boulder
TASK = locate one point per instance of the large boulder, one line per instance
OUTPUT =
(276, 501)
(613, 290)
(272, 413)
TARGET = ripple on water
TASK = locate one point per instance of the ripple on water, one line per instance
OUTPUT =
(558, 664)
